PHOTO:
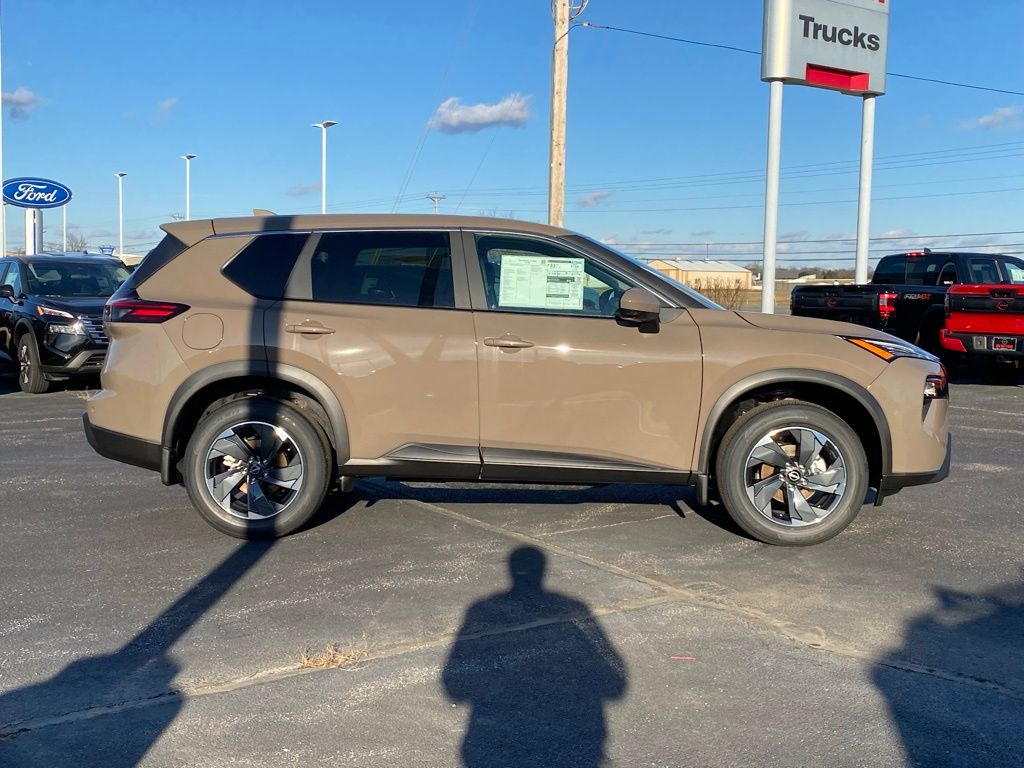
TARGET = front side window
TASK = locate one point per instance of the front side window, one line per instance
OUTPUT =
(13, 279)
(1014, 272)
(404, 269)
(526, 275)
(75, 279)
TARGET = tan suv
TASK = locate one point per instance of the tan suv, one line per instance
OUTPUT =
(263, 359)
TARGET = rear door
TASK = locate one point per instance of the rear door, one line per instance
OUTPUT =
(566, 390)
(383, 318)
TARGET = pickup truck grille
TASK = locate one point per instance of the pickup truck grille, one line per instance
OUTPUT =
(94, 325)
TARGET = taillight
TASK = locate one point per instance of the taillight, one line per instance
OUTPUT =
(887, 304)
(140, 311)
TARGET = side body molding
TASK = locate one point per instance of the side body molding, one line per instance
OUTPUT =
(259, 369)
(800, 376)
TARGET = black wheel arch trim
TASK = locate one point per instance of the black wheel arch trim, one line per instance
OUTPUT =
(250, 369)
(796, 376)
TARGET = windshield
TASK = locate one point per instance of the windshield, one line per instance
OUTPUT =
(75, 279)
(699, 298)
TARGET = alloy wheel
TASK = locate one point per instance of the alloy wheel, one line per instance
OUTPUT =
(254, 470)
(795, 476)
(24, 364)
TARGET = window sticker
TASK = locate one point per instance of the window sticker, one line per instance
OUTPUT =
(541, 282)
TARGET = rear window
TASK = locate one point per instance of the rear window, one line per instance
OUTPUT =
(891, 269)
(166, 250)
(262, 268)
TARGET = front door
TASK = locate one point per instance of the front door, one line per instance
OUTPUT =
(566, 385)
(382, 318)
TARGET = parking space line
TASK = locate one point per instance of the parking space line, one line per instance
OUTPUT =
(605, 525)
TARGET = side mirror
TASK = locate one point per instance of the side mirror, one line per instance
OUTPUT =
(7, 292)
(639, 306)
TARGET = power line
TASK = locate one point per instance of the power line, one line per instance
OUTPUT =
(758, 53)
(887, 238)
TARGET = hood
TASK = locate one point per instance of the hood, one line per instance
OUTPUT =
(86, 306)
(813, 325)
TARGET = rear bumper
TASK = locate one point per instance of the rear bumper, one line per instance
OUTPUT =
(981, 344)
(895, 483)
(123, 448)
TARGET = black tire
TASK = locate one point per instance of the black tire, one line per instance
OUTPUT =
(30, 377)
(779, 524)
(248, 517)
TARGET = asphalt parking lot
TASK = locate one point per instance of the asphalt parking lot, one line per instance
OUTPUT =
(505, 625)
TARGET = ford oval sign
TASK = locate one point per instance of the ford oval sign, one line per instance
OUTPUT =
(28, 192)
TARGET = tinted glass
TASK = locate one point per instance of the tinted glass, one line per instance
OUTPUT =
(982, 270)
(156, 259)
(13, 278)
(924, 270)
(522, 274)
(262, 268)
(891, 269)
(75, 279)
(405, 269)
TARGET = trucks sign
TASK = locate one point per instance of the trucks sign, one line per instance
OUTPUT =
(29, 192)
(836, 44)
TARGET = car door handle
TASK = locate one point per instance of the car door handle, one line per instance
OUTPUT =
(315, 329)
(508, 341)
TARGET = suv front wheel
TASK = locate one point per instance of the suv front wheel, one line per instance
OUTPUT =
(256, 468)
(790, 472)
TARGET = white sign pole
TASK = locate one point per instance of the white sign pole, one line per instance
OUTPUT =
(771, 197)
(64, 228)
(867, 158)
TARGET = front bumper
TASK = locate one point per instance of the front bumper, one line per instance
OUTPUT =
(893, 484)
(123, 448)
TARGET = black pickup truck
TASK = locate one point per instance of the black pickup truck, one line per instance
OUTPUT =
(907, 294)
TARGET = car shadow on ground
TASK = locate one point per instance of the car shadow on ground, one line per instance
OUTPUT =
(83, 387)
(974, 717)
(682, 500)
(129, 694)
(536, 671)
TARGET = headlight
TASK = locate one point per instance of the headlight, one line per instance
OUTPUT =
(69, 330)
(50, 312)
(890, 350)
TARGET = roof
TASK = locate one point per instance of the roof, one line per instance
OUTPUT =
(69, 256)
(699, 265)
(191, 232)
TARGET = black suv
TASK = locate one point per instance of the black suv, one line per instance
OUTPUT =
(51, 315)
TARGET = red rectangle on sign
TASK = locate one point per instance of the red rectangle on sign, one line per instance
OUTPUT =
(839, 79)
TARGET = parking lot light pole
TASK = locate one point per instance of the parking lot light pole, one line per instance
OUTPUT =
(323, 161)
(120, 212)
(188, 185)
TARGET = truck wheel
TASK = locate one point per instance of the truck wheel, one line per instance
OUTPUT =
(256, 468)
(791, 473)
(30, 377)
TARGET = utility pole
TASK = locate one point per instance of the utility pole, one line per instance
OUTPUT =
(436, 198)
(559, 87)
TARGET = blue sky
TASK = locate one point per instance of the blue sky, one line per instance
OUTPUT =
(665, 141)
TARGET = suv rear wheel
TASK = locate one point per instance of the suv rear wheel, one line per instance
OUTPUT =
(256, 468)
(792, 473)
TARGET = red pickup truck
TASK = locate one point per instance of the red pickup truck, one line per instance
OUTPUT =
(984, 322)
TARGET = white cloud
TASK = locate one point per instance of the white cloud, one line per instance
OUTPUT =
(1002, 117)
(301, 190)
(702, 233)
(455, 117)
(593, 199)
(164, 110)
(20, 103)
(655, 232)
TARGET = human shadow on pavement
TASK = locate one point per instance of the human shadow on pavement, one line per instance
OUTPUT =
(109, 710)
(536, 670)
(955, 688)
